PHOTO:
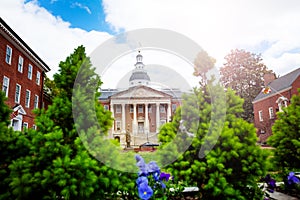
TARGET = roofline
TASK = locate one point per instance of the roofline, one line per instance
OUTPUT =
(277, 93)
(23, 44)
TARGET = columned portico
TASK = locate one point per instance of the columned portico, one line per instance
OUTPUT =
(123, 118)
(134, 123)
(146, 119)
(157, 117)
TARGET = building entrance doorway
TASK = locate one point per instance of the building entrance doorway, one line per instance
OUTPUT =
(140, 127)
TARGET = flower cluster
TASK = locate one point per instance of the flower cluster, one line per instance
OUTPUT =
(270, 182)
(151, 169)
(292, 179)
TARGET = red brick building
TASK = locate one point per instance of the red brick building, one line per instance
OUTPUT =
(21, 77)
(277, 95)
(139, 110)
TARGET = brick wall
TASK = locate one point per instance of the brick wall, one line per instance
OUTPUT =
(264, 128)
(16, 77)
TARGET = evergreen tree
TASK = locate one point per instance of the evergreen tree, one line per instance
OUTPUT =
(58, 166)
(286, 136)
(12, 146)
(234, 164)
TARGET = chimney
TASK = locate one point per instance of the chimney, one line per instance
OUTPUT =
(269, 77)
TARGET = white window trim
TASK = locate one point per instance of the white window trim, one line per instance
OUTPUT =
(260, 116)
(6, 92)
(34, 127)
(25, 124)
(27, 103)
(29, 74)
(38, 78)
(20, 64)
(10, 55)
(271, 112)
(36, 101)
(17, 98)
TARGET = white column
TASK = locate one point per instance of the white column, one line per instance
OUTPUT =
(157, 117)
(146, 119)
(123, 119)
(169, 112)
(112, 115)
(134, 125)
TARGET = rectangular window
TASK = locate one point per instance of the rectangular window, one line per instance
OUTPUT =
(118, 108)
(5, 86)
(34, 127)
(20, 64)
(106, 107)
(118, 125)
(36, 101)
(271, 113)
(141, 109)
(8, 54)
(174, 106)
(38, 78)
(29, 72)
(260, 116)
(25, 125)
(162, 109)
(27, 99)
(150, 109)
(131, 108)
(18, 93)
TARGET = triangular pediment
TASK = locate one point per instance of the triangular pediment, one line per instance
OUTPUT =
(140, 92)
(19, 109)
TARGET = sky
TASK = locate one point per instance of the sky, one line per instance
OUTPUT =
(54, 28)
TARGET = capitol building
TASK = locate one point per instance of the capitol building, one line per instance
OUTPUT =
(139, 110)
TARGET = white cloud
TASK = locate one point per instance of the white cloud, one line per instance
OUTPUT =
(76, 4)
(268, 27)
(219, 26)
(50, 37)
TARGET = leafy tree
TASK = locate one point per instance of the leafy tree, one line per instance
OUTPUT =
(286, 136)
(243, 72)
(202, 64)
(231, 169)
(57, 165)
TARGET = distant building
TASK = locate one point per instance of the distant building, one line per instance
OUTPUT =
(140, 109)
(21, 77)
(276, 95)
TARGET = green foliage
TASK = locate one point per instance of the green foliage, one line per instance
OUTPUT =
(231, 169)
(243, 72)
(202, 64)
(55, 163)
(12, 146)
(286, 136)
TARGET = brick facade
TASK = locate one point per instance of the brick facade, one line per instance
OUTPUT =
(268, 102)
(10, 71)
